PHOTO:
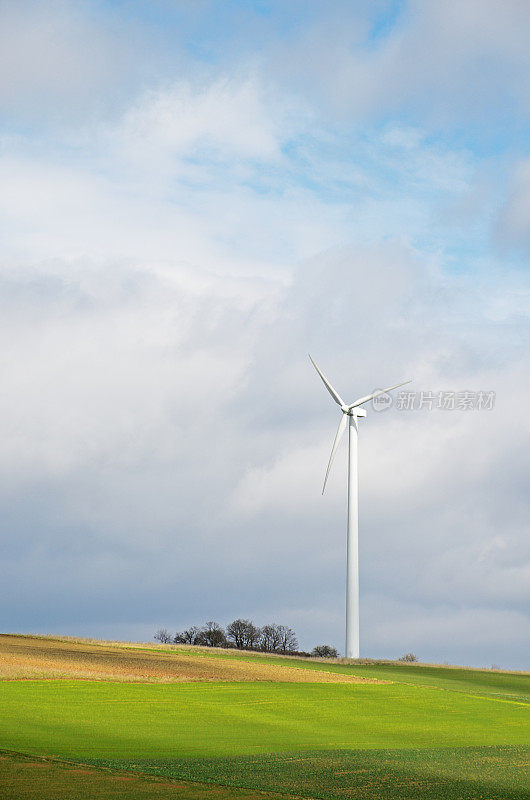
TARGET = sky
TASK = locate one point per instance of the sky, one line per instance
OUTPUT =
(193, 197)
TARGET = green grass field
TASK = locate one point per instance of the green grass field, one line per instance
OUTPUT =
(511, 685)
(443, 773)
(433, 732)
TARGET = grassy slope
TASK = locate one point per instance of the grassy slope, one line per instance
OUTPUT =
(464, 773)
(403, 740)
(84, 719)
(511, 685)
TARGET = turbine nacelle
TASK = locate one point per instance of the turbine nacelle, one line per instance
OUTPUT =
(353, 412)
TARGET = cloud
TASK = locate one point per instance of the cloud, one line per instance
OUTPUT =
(439, 62)
(431, 493)
(134, 449)
(165, 272)
(223, 118)
(60, 61)
(472, 627)
(513, 222)
(72, 63)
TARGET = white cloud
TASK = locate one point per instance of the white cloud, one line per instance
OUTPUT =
(164, 436)
(286, 486)
(228, 118)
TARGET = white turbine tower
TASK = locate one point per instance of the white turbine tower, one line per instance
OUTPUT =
(351, 413)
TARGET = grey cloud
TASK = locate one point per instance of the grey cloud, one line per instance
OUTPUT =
(440, 63)
(63, 63)
(165, 477)
(512, 230)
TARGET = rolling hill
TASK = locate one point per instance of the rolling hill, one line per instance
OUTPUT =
(172, 719)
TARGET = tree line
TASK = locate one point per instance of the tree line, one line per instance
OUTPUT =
(243, 635)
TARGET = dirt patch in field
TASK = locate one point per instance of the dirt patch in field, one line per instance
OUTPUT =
(25, 657)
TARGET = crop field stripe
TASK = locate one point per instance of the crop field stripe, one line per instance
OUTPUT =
(27, 657)
(25, 777)
(467, 773)
(179, 663)
(449, 773)
(490, 696)
(73, 719)
(443, 676)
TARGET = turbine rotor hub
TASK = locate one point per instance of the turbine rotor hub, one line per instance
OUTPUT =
(354, 412)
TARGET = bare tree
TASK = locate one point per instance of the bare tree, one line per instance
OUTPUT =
(236, 632)
(163, 636)
(324, 651)
(288, 640)
(212, 635)
(252, 636)
(243, 633)
(270, 639)
(409, 657)
(189, 636)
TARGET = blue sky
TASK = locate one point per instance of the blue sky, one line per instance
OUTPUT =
(195, 195)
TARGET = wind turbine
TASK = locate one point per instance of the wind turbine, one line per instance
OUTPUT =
(351, 413)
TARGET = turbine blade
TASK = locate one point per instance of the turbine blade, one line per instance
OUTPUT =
(338, 436)
(335, 395)
(368, 397)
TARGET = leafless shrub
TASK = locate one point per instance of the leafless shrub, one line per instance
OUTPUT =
(324, 651)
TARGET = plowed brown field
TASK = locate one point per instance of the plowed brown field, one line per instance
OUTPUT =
(33, 657)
